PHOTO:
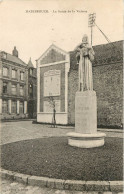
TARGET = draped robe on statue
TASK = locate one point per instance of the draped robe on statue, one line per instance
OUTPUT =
(85, 56)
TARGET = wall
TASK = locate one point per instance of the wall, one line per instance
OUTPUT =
(108, 84)
(72, 89)
(53, 59)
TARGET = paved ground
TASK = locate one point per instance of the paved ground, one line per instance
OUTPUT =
(16, 131)
(9, 187)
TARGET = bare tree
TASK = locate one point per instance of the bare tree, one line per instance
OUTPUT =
(52, 102)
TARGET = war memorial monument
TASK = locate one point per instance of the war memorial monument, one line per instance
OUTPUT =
(85, 135)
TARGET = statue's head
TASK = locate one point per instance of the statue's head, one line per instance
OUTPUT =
(85, 39)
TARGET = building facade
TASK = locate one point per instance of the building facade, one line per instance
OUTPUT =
(52, 81)
(13, 86)
(32, 90)
(57, 77)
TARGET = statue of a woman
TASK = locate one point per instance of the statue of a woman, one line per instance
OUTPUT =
(85, 56)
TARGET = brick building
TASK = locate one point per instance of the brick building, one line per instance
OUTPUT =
(32, 90)
(57, 76)
(13, 86)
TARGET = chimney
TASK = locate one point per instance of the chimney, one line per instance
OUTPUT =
(15, 52)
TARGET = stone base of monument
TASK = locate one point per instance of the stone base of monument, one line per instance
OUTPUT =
(86, 140)
(85, 135)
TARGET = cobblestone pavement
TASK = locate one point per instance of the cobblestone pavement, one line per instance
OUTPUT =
(22, 130)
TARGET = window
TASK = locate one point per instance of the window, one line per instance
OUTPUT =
(5, 106)
(5, 71)
(21, 75)
(14, 106)
(31, 91)
(31, 71)
(21, 90)
(4, 87)
(14, 90)
(14, 73)
(21, 107)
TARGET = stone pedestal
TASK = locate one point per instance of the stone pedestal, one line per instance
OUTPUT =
(85, 112)
(85, 135)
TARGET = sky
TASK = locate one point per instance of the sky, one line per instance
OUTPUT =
(63, 23)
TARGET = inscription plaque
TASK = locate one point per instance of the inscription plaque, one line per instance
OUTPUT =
(52, 83)
(85, 112)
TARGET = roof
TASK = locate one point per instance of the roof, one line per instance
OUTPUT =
(52, 46)
(104, 54)
(13, 59)
(30, 64)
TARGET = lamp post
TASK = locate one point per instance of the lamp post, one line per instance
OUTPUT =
(91, 23)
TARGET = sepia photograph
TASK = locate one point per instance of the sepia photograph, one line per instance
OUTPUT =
(61, 96)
